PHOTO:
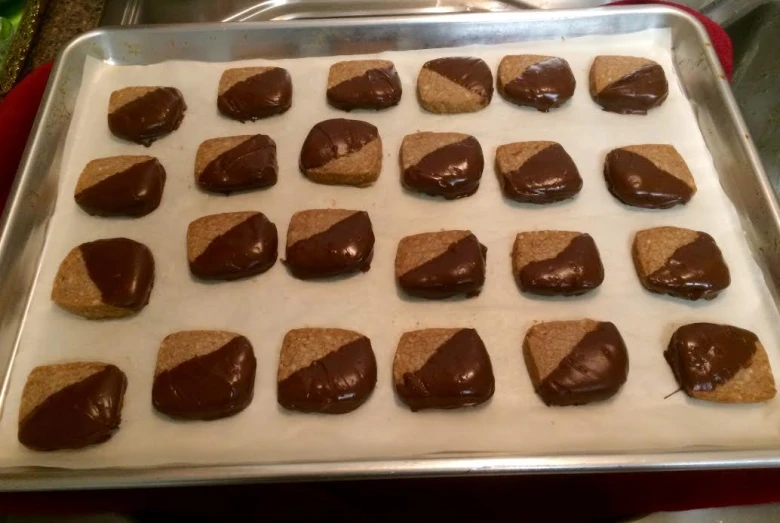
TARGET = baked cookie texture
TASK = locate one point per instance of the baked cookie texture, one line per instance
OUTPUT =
(144, 114)
(556, 263)
(653, 176)
(442, 369)
(680, 262)
(102, 279)
(575, 362)
(71, 405)
(627, 84)
(236, 163)
(720, 363)
(537, 172)
(252, 93)
(121, 186)
(325, 370)
(363, 84)
(538, 81)
(439, 265)
(203, 375)
(342, 152)
(461, 84)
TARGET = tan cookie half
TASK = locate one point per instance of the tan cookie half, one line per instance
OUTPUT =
(340, 72)
(102, 168)
(417, 146)
(183, 346)
(512, 156)
(46, 380)
(305, 224)
(608, 69)
(652, 247)
(547, 344)
(415, 349)
(666, 158)
(418, 249)
(209, 150)
(441, 95)
(122, 97)
(206, 229)
(231, 77)
(360, 168)
(302, 347)
(539, 245)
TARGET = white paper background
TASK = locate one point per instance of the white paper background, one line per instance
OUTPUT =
(264, 307)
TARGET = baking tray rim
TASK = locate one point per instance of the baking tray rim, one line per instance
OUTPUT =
(40, 478)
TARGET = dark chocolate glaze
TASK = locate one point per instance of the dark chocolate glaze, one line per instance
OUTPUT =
(259, 96)
(575, 270)
(452, 171)
(458, 374)
(122, 270)
(635, 180)
(249, 165)
(694, 271)
(594, 370)
(136, 191)
(149, 117)
(331, 139)
(337, 383)
(458, 270)
(215, 385)
(543, 85)
(704, 356)
(80, 414)
(636, 92)
(347, 246)
(546, 177)
(468, 72)
(374, 89)
(247, 249)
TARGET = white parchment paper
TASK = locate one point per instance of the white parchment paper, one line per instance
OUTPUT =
(264, 307)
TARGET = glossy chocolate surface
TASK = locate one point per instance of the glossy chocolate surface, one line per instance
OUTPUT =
(149, 117)
(636, 181)
(635, 93)
(249, 165)
(575, 270)
(331, 139)
(259, 96)
(543, 85)
(374, 89)
(452, 171)
(136, 191)
(122, 270)
(548, 176)
(468, 72)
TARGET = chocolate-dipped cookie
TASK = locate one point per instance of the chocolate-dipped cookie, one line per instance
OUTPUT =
(250, 93)
(720, 363)
(328, 242)
(203, 375)
(680, 262)
(332, 371)
(627, 84)
(441, 164)
(556, 263)
(71, 405)
(342, 152)
(438, 265)
(231, 245)
(363, 84)
(108, 278)
(537, 172)
(649, 176)
(460, 84)
(145, 114)
(538, 81)
(121, 186)
(575, 362)
(442, 369)
(236, 163)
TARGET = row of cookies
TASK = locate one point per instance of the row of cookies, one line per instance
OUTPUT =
(114, 277)
(449, 165)
(622, 84)
(207, 375)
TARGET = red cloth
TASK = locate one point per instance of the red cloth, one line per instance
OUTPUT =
(721, 41)
(17, 114)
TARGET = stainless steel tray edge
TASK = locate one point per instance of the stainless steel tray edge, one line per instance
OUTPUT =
(31, 204)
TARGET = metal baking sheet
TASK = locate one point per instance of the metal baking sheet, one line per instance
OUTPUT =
(26, 222)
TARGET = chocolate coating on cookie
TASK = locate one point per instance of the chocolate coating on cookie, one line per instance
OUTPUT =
(637, 176)
(374, 85)
(71, 406)
(441, 265)
(468, 72)
(121, 186)
(122, 269)
(254, 93)
(148, 116)
(338, 379)
(243, 162)
(544, 84)
(443, 369)
(575, 362)
(343, 243)
(332, 139)
(455, 85)
(537, 172)
(452, 170)
(205, 384)
(627, 85)
(245, 244)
